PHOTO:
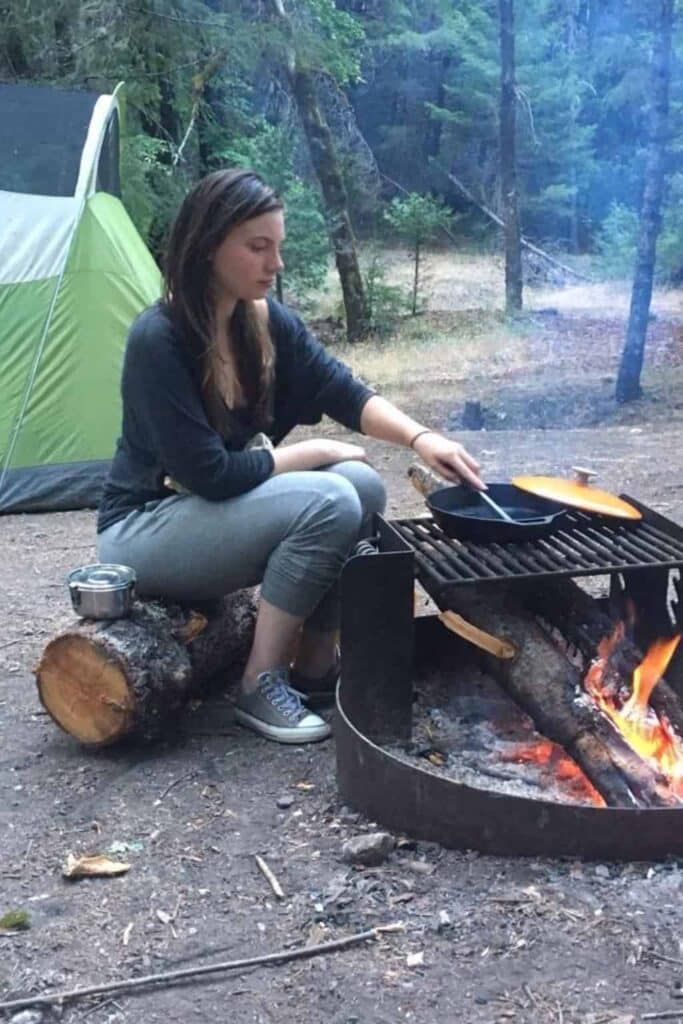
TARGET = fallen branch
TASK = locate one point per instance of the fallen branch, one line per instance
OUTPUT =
(662, 1015)
(663, 958)
(525, 243)
(194, 972)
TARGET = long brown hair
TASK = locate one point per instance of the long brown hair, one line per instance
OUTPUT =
(216, 205)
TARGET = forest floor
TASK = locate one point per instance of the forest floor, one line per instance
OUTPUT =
(487, 939)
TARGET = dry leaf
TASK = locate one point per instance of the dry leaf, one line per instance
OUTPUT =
(164, 917)
(95, 865)
(415, 959)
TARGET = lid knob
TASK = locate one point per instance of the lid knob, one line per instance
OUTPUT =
(583, 475)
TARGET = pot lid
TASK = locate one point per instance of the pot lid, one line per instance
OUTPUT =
(578, 493)
(102, 576)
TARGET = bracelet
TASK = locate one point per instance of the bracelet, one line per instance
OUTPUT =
(425, 430)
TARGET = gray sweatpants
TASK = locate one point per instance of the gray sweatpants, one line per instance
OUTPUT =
(291, 534)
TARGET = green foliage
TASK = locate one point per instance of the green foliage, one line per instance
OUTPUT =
(618, 238)
(385, 301)
(15, 920)
(617, 241)
(417, 218)
(270, 151)
(307, 249)
(150, 190)
(327, 39)
(425, 77)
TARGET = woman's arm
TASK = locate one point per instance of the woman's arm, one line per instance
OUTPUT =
(313, 454)
(386, 422)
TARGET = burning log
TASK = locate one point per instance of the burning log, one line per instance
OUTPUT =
(103, 680)
(545, 684)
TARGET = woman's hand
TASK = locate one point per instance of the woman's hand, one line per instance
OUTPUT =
(315, 453)
(449, 459)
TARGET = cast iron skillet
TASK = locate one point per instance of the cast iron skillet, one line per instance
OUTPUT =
(460, 512)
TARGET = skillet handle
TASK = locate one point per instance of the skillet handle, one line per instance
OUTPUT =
(424, 481)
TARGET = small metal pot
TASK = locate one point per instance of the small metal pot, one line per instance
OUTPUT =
(102, 591)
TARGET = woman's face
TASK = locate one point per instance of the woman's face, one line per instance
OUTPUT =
(247, 260)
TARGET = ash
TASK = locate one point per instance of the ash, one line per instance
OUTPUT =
(465, 728)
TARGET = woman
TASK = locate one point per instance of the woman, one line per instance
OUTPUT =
(198, 509)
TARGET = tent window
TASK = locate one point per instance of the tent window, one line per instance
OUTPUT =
(42, 133)
(108, 178)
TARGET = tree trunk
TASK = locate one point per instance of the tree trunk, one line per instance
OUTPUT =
(326, 166)
(508, 170)
(324, 158)
(101, 681)
(416, 276)
(432, 141)
(628, 380)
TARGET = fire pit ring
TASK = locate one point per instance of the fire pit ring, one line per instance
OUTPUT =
(406, 798)
(383, 644)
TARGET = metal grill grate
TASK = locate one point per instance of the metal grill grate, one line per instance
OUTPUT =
(588, 545)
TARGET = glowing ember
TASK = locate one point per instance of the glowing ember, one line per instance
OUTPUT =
(552, 757)
(651, 737)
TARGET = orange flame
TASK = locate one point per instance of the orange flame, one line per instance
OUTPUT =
(651, 737)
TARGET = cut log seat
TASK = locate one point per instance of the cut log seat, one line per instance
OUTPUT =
(102, 680)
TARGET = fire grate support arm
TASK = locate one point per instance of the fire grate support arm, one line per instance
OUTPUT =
(377, 631)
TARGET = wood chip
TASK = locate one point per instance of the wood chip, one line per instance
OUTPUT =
(268, 874)
(96, 865)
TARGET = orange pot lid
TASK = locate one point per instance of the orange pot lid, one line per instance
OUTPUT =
(577, 495)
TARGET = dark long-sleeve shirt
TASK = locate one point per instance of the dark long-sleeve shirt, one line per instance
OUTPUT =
(166, 431)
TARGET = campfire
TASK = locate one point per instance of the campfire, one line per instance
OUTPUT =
(591, 735)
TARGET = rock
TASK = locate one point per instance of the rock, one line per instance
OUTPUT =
(27, 1017)
(443, 921)
(284, 802)
(420, 867)
(370, 849)
(602, 871)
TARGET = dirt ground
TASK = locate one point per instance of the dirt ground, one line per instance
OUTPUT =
(498, 939)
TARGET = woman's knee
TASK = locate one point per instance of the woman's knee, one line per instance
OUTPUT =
(367, 483)
(336, 508)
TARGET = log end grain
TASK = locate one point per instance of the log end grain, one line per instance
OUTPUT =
(86, 693)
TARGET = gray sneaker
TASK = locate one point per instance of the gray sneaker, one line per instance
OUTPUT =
(275, 710)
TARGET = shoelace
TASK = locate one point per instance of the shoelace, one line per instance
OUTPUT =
(283, 697)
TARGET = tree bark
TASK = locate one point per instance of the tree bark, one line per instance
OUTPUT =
(326, 166)
(628, 380)
(101, 681)
(432, 140)
(324, 158)
(508, 169)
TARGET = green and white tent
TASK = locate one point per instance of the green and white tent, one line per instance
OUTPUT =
(74, 273)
